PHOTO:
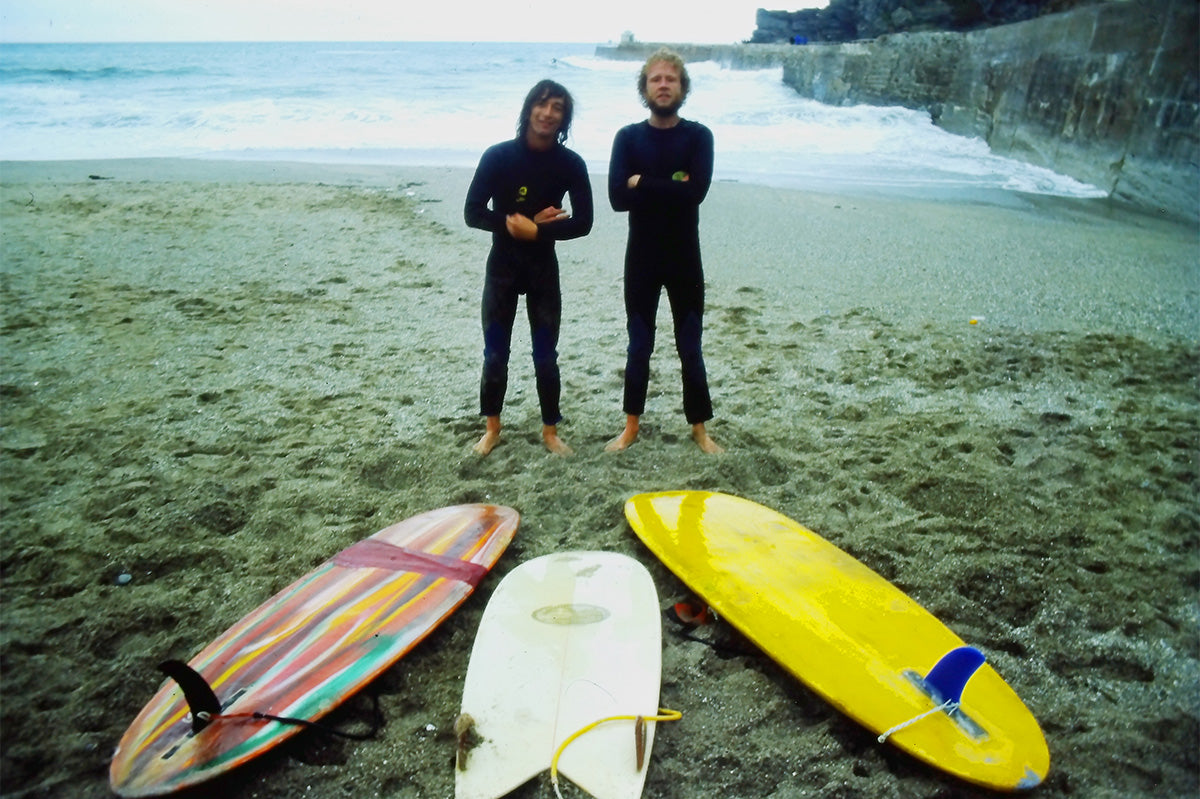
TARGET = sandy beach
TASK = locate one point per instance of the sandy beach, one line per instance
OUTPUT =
(215, 375)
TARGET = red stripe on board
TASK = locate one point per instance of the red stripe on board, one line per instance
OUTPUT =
(376, 554)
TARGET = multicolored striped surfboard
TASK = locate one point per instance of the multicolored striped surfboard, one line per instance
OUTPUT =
(308, 648)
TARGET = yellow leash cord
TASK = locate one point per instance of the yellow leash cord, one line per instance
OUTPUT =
(663, 715)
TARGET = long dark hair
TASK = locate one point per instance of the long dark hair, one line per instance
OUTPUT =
(546, 90)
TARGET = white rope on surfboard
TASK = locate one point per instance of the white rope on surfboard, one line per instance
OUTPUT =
(949, 706)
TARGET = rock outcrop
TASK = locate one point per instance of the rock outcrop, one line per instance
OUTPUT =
(1107, 94)
(853, 20)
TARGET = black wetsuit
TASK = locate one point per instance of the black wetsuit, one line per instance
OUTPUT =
(663, 250)
(516, 179)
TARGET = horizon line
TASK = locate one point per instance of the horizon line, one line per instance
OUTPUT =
(366, 41)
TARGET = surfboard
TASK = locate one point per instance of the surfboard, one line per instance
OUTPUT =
(847, 633)
(566, 640)
(309, 647)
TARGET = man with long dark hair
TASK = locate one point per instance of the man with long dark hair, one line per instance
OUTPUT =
(517, 194)
(660, 173)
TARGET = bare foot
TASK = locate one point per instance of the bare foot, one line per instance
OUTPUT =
(487, 443)
(491, 438)
(620, 442)
(702, 439)
(627, 437)
(553, 442)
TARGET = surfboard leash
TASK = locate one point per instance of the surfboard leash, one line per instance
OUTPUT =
(312, 725)
(949, 706)
(664, 714)
(206, 708)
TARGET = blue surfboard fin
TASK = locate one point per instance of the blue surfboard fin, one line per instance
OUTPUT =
(949, 675)
(944, 686)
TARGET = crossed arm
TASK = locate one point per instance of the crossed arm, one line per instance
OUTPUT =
(523, 228)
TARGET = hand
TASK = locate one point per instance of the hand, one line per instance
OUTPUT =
(550, 214)
(633, 181)
(521, 227)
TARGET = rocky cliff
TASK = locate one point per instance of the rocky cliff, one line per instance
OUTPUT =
(852, 20)
(1107, 93)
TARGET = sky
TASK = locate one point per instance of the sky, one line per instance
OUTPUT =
(594, 21)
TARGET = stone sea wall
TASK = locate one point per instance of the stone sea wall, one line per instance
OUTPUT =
(1107, 93)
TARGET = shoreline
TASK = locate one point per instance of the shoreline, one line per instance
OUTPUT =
(236, 168)
(219, 373)
(353, 165)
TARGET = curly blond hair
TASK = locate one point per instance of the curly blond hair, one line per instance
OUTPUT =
(669, 56)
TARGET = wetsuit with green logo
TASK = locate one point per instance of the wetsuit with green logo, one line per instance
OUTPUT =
(514, 179)
(663, 250)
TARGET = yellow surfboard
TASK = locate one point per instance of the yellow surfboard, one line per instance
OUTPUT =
(847, 633)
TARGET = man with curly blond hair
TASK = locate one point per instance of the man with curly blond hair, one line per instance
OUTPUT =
(660, 172)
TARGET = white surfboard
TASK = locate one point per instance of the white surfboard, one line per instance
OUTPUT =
(566, 640)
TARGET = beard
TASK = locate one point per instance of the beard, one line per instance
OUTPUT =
(664, 110)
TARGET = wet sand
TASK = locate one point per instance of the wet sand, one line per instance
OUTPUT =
(217, 374)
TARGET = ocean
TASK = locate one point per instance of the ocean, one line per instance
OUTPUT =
(405, 103)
